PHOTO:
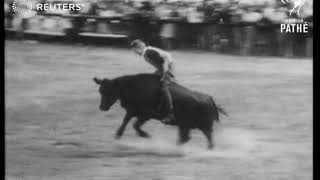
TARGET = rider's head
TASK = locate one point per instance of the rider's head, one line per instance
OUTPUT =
(138, 46)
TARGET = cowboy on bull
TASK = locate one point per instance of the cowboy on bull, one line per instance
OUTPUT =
(162, 61)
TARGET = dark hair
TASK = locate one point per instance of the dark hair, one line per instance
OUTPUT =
(136, 43)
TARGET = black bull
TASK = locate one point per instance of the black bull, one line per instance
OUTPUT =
(139, 96)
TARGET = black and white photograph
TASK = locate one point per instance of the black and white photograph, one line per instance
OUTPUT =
(158, 89)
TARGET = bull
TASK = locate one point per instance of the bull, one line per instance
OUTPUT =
(139, 95)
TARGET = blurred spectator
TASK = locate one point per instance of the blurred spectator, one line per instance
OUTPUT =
(23, 18)
(165, 11)
(194, 15)
(275, 15)
(250, 15)
(143, 25)
(6, 8)
(7, 15)
(146, 6)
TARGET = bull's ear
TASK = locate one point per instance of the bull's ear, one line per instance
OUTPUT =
(98, 81)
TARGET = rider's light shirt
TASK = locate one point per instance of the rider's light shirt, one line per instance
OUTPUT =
(157, 57)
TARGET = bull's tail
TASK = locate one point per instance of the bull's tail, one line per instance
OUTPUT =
(217, 109)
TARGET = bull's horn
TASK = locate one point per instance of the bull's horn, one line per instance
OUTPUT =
(98, 81)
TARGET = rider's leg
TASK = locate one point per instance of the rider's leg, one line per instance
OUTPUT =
(167, 104)
(166, 97)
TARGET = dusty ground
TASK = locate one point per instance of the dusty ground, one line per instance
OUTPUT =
(54, 129)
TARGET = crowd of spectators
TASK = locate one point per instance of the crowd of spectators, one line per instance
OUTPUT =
(229, 11)
(193, 11)
(200, 23)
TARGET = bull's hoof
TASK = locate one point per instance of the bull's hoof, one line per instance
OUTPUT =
(168, 121)
(171, 123)
(117, 136)
(183, 141)
(144, 135)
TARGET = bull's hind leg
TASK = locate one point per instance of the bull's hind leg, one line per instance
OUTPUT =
(137, 126)
(208, 134)
(184, 135)
(120, 131)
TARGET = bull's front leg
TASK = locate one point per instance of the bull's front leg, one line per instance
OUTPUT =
(121, 129)
(137, 126)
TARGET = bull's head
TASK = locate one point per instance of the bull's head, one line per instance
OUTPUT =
(108, 91)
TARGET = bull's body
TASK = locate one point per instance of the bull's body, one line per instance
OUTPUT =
(139, 96)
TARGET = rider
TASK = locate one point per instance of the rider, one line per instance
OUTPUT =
(162, 61)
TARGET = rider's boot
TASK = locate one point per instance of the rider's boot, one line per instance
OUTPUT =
(169, 119)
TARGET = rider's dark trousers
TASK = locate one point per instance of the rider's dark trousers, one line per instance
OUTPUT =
(166, 104)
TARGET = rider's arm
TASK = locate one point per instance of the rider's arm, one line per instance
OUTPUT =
(165, 66)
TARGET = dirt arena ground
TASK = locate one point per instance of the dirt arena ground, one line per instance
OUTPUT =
(55, 131)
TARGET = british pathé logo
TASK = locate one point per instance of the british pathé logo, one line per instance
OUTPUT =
(294, 25)
(297, 4)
